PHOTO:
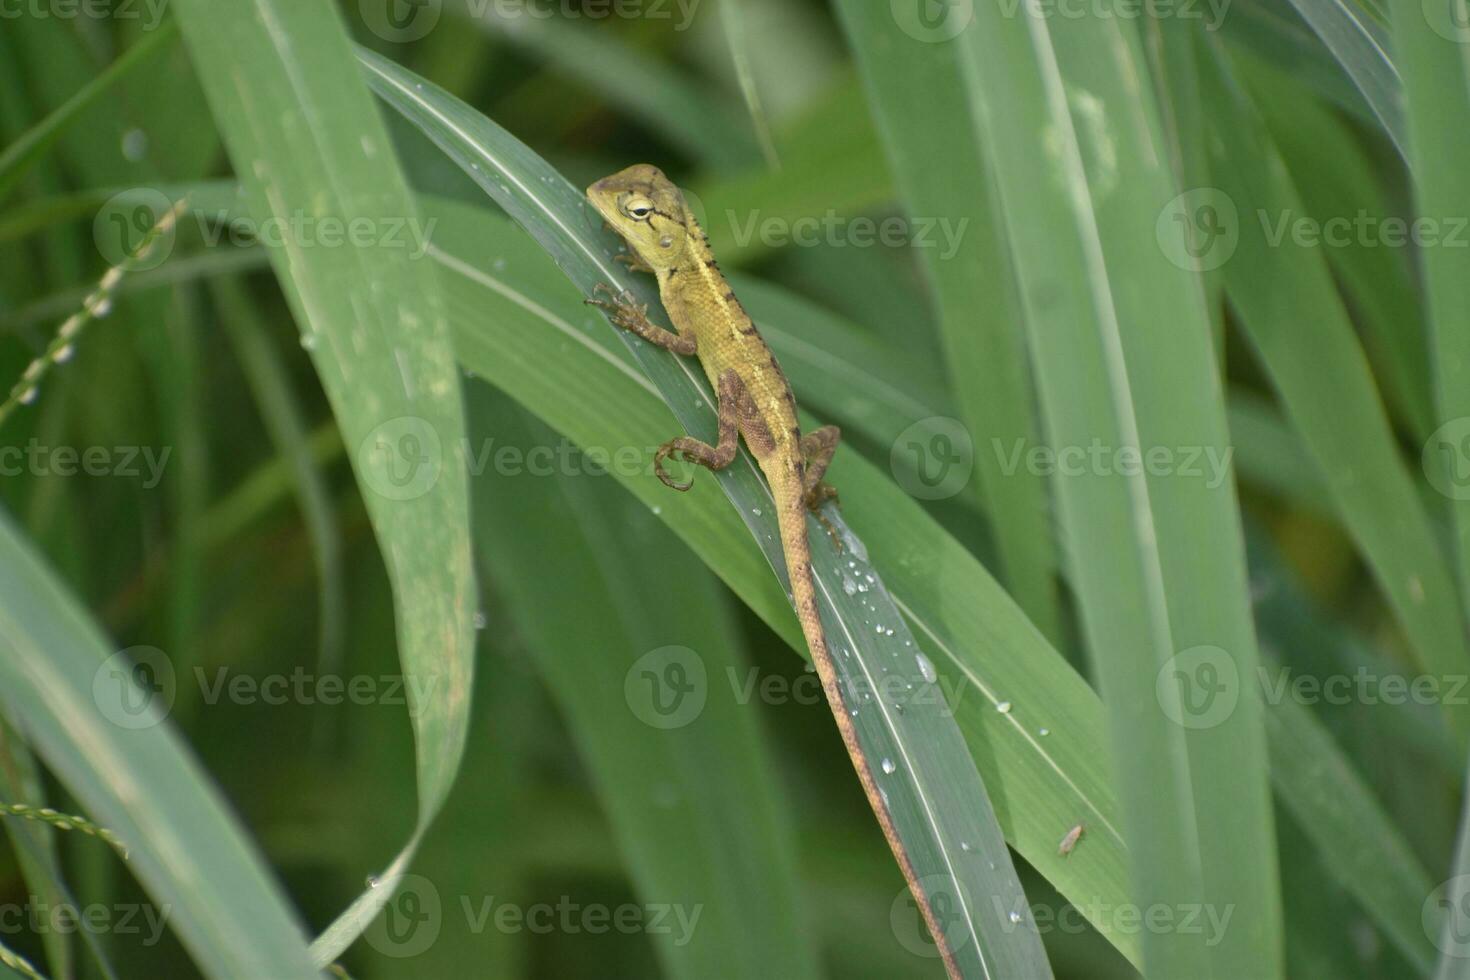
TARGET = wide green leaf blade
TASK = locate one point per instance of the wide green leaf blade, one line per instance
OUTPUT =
(307, 142)
(1289, 308)
(107, 740)
(1361, 45)
(1432, 40)
(1121, 346)
(916, 90)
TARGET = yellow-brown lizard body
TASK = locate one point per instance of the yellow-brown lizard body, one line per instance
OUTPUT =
(755, 401)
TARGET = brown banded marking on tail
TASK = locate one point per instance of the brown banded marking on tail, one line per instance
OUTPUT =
(791, 511)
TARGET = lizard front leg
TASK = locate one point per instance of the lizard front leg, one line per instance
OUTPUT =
(732, 396)
(623, 312)
(633, 262)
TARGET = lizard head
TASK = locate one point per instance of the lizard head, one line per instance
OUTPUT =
(646, 208)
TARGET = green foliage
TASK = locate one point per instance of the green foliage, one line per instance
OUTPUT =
(1096, 299)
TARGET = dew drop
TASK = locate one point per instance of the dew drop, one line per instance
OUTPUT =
(1044, 732)
(63, 353)
(308, 341)
(888, 766)
(481, 620)
(28, 397)
(926, 668)
(134, 145)
(102, 307)
(965, 846)
(1015, 917)
(1004, 707)
(373, 881)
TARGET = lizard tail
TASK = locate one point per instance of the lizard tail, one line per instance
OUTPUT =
(792, 516)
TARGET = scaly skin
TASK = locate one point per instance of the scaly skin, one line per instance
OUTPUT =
(755, 401)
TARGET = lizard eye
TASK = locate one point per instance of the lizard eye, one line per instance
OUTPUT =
(638, 208)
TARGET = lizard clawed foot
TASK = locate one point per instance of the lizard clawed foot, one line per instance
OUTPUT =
(665, 451)
(814, 499)
(620, 307)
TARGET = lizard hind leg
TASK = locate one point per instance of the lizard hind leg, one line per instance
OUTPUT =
(691, 450)
(817, 449)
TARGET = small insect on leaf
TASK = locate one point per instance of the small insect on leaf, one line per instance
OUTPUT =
(1071, 839)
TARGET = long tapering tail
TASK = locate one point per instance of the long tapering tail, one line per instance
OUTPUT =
(792, 515)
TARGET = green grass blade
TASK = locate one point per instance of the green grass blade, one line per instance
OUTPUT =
(24, 153)
(307, 140)
(1121, 346)
(1371, 859)
(831, 162)
(286, 422)
(732, 21)
(1361, 45)
(34, 843)
(62, 681)
(1433, 45)
(681, 108)
(1276, 33)
(933, 791)
(1448, 904)
(917, 92)
(711, 837)
(1337, 180)
(1290, 310)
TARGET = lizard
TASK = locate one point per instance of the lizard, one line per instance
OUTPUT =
(755, 402)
